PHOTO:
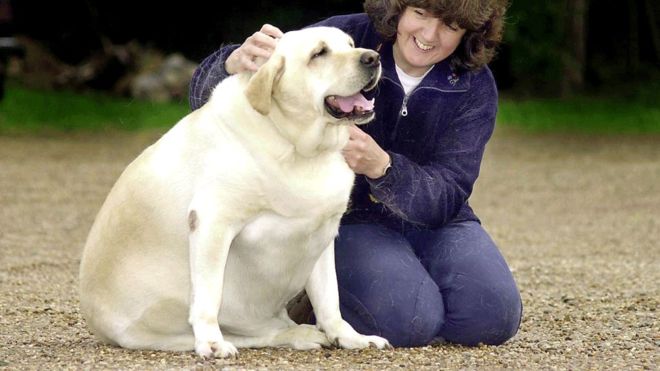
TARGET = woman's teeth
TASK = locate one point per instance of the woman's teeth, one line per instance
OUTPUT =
(422, 45)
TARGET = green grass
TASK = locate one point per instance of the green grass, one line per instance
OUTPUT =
(602, 115)
(29, 111)
(33, 111)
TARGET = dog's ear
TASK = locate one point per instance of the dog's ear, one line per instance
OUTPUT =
(259, 89)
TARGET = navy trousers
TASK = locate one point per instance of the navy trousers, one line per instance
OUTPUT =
(450, 283)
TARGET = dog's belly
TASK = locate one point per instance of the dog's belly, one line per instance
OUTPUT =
(269, 262)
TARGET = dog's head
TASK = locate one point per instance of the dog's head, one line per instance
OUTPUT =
(317, 72)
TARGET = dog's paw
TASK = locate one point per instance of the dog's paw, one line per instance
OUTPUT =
(344, 336)
(362, 341)
(309, 337)
(304, 337)
(215, 349)
(379, 342)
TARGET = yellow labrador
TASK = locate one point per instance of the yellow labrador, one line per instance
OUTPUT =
(208, 234)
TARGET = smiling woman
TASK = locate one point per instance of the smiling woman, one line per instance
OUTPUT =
(483, 21)
(422, 40)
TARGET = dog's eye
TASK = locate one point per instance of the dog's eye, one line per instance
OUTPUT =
(319, 52)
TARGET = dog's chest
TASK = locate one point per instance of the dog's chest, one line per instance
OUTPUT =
(276, 249)
(276, 232)
(313, 192)
(301, 212)
(270, 261)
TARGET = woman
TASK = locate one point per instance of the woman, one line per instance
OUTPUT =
(414, 264)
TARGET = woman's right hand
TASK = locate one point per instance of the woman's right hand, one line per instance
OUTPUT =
(254, 51)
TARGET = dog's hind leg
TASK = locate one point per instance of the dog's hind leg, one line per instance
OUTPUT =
(300, 337)
(162, 325)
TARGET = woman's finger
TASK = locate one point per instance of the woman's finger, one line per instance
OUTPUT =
(271, 31)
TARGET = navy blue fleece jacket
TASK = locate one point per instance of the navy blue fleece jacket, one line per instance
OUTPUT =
(436, 135)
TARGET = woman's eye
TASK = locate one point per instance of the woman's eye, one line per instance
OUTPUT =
(454, 27)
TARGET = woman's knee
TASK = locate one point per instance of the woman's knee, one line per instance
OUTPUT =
(506, 316)
(480, 293)
(371, 260)
(412, 320)
(491, 314)
(383, 288)
(426, 319)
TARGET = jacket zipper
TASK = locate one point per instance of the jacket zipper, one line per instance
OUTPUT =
(404, 106)
(402, 113)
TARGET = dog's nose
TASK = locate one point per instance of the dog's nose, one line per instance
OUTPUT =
(370, 59)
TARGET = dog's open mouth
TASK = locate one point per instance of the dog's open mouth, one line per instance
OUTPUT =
(353, 107)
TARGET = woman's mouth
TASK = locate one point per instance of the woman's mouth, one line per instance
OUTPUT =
(422, 46)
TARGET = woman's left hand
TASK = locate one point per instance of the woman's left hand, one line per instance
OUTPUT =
(363, 155)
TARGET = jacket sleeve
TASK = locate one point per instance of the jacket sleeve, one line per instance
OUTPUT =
(208, 75)
(431, 194)
(357, 25)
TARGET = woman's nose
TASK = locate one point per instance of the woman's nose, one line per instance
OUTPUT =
(431, 30)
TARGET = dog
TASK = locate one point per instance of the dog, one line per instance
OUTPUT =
(211, 230)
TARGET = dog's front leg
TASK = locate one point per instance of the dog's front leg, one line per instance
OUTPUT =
(324, 295)
(210, 239)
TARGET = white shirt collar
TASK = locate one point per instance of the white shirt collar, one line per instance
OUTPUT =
(410, 82)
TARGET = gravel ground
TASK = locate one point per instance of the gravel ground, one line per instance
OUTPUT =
(578, 219)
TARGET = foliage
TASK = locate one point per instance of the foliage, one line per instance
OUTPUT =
(619, 42)
(580, 114)
(26, 111)
(628, 109)
(534, 37)
(543, 41)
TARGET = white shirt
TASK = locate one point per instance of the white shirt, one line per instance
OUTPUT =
(410, 82)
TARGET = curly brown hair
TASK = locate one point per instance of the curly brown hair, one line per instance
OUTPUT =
(483, 21)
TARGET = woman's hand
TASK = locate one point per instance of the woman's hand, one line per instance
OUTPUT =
(254, 51)
(363, 155)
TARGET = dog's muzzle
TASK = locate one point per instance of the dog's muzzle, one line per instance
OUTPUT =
(356, 107)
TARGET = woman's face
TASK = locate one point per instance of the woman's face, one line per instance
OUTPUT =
(423, 40)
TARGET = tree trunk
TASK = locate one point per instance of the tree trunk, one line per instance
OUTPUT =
(574, 60)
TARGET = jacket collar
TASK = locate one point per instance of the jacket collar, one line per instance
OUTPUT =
(441, 77)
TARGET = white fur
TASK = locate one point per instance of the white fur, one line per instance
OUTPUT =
(208, 234)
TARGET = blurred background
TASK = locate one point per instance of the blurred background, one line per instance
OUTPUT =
(564, 64)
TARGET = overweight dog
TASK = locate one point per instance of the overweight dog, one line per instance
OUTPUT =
(210, 231)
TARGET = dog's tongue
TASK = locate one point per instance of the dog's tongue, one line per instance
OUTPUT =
(346, 104)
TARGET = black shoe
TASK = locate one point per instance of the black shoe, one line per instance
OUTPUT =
(300, 309)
